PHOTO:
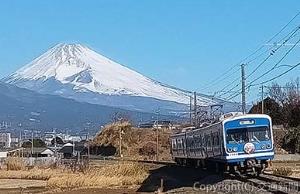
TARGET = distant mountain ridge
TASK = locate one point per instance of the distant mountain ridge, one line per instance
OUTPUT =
(29, 110)
(77, 72)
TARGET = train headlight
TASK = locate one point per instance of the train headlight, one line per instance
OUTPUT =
(229, 150)
(263, 146)
(235, 149)
(269, 146)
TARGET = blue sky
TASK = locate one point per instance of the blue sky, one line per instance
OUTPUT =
(182, 43)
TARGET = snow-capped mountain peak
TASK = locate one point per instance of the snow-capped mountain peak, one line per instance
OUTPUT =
(72, 69)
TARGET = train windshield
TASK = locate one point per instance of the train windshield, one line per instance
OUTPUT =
(244, 135)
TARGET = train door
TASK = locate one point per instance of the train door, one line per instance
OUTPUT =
(216, 143)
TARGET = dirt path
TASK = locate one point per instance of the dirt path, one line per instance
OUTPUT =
(20, 183)
(12, 186)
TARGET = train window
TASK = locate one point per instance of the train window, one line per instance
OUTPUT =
(253, 134)
(207, 141)
(193, 143)
(259, 134)
(200, 141)
(217, 139)
(179, 143)
(183, 143)
(189, 142)
(174, 143)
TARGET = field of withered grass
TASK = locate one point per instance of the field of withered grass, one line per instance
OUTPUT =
(121, 174)
(116, 175)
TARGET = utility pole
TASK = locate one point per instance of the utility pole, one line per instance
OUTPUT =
(120, 142)
(243, 89)
(297, 85)
(262, 100)
(195, 110)
(88, 141)
(55, 145)
(20, 140)
(157, 140)
(191, 109)
(31, 142)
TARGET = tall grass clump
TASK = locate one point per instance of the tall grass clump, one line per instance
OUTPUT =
(14, 163)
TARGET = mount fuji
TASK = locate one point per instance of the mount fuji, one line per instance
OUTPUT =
(77, 72)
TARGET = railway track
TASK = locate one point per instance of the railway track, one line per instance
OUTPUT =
(266, 182)
(271, 183)
(285, 177)
(138, 161)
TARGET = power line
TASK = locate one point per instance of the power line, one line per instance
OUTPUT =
(284, 27)
(221, 76)
(223, 89)
(264, 82)
(291, 35)
(252, 54)
(232, 96)
(231, 89)
(274, 67)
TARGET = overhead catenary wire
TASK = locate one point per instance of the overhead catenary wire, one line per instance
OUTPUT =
(272, 79)
(225, 87)
(281, 30)
(275, 66)
(286, 39)
(232, 96)
(249, 56)
(220, 78)
(230, 91)
(232, 88)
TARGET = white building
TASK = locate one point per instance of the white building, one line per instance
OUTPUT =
(5, 140)
(3, 153)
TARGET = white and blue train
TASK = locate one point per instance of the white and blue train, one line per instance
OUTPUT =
(238, 142)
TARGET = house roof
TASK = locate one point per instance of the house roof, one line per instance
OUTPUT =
(67, 145)
(66, 149)
(48, 152)
(69, 149)
(37, 150)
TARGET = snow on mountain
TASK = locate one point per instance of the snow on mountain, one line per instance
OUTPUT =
(75, 71)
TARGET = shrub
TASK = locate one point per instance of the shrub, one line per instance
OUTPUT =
(148, 149)
(291, 141)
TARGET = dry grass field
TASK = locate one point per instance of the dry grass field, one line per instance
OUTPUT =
(116, 175)
(286, 168)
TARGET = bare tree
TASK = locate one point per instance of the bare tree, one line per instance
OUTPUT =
(277, 93)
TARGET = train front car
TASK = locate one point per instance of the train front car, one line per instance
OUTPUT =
(248, 142)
